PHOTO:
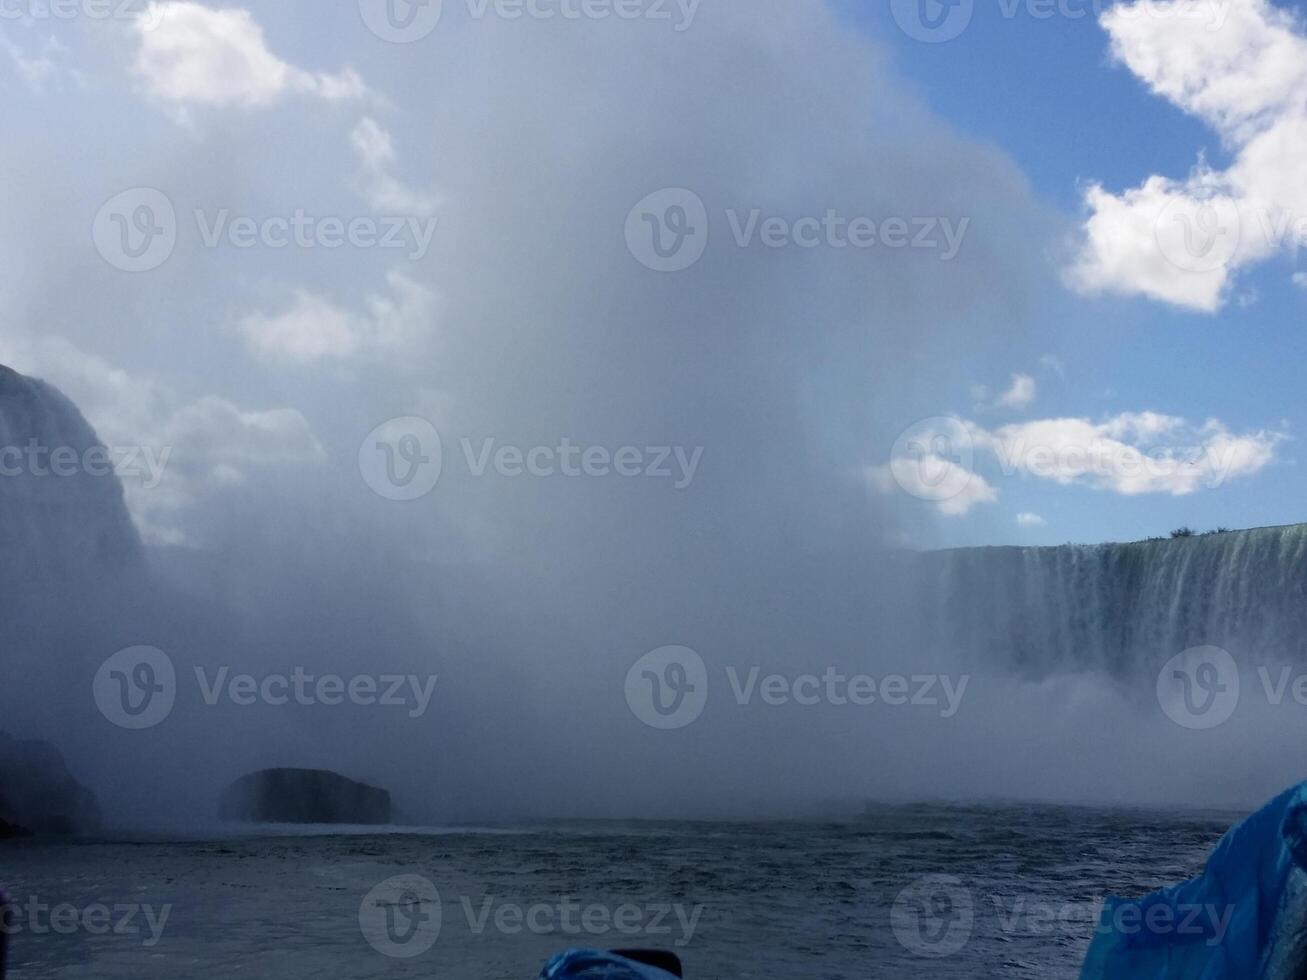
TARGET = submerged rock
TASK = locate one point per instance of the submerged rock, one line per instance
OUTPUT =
(38, 795)
(303, 796)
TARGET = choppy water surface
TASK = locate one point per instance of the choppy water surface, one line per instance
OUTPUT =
(993, 891)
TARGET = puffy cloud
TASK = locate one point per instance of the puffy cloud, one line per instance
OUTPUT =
(1131, 453)
(384, 192)
(1182, 240)
(194, 55)
(182, 450)
(1020, 393)
(950, 487)
(314, 329)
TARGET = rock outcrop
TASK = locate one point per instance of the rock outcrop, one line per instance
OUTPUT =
(38, 795)
(304, 796)
(63, 518)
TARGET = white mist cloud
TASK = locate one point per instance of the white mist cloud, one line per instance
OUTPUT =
(392, 327)
(548, 328)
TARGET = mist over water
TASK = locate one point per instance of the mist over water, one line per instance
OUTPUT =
(1023, 672)
(530, 598)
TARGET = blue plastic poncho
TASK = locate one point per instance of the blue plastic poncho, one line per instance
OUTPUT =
(587, 964)
(1239, 921)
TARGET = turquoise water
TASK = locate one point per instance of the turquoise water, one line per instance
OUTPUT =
(930, 891)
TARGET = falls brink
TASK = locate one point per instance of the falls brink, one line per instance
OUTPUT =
(1119, 608)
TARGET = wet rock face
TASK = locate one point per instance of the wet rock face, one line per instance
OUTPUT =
(63, 519)
(38, 795)
(304, 796)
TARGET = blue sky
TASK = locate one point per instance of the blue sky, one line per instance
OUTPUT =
(1047, 91)
(529, 140)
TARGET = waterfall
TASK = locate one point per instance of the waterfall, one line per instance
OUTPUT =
(1120, 608)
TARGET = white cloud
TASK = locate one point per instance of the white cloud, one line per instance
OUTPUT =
(926, 477)
(1183, 240)
(1300, 280)
(385, 193)
(1053, 363)
(1131, 453)
(197, 55)
(45, 67)
(205, 444)
(314, 329)
(1020, 393)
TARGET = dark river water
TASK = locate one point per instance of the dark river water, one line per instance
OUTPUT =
(920, 891)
